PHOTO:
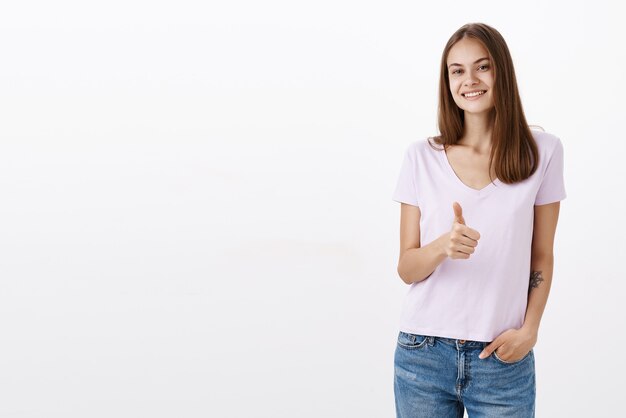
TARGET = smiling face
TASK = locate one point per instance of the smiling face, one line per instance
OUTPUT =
(469, 70)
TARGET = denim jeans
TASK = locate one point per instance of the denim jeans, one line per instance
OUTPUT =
(441, 377)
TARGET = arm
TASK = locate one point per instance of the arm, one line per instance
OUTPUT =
(542, 264)
(416, 263)
(518, 342)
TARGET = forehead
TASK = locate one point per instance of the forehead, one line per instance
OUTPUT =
(466, 51)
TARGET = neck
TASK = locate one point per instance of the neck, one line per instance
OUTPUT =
(477, 132)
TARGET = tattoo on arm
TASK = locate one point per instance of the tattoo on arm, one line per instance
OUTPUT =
(535, 279)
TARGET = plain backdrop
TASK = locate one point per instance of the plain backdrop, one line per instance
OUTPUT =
(195, 201)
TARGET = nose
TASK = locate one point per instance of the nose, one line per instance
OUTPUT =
(471, 80)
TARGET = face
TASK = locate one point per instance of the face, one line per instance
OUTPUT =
(471, 74)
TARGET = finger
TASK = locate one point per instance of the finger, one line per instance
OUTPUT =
(471, 233)
(458, 213)
(466, 249)
(489, 348)
(465, 240)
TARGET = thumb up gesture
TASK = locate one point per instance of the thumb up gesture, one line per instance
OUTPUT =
(462, 240)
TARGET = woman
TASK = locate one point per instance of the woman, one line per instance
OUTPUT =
(479, 208)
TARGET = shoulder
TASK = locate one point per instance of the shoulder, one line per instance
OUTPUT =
(547, 142)
(422, 146)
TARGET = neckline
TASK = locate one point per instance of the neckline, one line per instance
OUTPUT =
(486, 189)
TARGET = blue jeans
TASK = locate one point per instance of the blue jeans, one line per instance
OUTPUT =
(440, 377)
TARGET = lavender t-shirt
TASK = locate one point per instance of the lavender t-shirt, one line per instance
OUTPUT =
(480, 297)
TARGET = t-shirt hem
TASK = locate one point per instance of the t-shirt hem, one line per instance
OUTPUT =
(407, 201)
(437, 333)
(552, 200)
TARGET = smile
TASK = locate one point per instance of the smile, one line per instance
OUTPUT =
(476, 94)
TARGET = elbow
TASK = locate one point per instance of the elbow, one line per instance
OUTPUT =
(404, 276)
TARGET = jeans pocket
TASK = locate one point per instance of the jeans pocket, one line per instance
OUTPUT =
(495, 356)
(411, 341)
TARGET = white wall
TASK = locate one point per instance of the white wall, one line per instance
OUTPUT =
(195, 201)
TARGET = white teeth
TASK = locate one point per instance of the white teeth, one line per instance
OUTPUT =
(474, 94)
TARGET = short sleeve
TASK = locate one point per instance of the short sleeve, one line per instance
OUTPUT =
(406, 190)
(552, 188)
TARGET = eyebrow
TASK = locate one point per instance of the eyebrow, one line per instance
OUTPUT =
(475, 62)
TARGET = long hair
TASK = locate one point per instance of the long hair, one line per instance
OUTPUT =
(514, 154)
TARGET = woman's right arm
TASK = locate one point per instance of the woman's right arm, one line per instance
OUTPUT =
(416, 263)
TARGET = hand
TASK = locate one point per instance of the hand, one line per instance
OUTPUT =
(513, 344)
(461, 240)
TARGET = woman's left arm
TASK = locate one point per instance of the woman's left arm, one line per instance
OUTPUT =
(541, 264)
(517, 342)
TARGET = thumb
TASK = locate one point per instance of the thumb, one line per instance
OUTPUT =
(458, 213)
(490, 348)
(487, 351)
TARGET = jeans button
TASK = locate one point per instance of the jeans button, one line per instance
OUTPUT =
(462, 341)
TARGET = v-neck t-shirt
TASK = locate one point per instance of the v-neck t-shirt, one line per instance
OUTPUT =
(480, 297)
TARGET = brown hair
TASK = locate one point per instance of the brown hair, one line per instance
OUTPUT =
(514, 153)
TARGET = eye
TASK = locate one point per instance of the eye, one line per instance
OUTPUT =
(481, 66)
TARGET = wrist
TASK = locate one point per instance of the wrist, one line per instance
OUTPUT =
(530, 329)
(440, 245)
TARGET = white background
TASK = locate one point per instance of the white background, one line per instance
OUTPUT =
(195, 200)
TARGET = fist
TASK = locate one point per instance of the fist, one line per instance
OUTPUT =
(462, 240)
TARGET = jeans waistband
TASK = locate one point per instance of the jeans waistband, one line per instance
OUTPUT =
(461, 342)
